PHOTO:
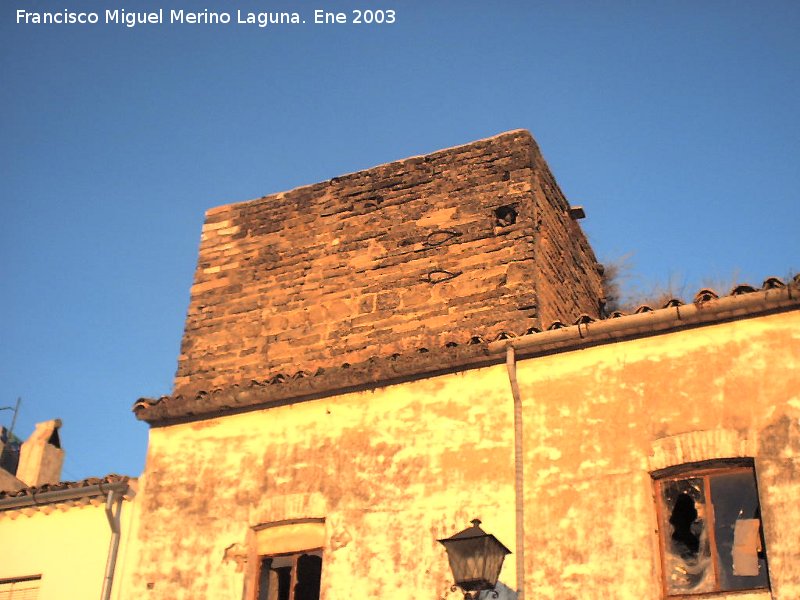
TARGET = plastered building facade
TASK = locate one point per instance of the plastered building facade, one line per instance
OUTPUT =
(59, 540)
(61, 548)
(602, 422)
(388, 471)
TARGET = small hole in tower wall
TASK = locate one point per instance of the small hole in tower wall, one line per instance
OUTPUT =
(505, 216)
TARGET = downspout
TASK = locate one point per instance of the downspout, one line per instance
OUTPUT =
(113, 511)
(511, 365)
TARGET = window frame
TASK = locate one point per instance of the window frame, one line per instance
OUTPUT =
(294, 556)
(704, 470)
(285, 537)
(12, 581)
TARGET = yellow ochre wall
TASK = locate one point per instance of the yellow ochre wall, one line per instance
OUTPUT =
(394, 469)
(66, 544)
(597, 421)
(390, 471)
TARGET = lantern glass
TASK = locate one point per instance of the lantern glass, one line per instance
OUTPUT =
(475, 558)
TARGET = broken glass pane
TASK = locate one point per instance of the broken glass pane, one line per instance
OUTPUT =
(687, 564)
(741, 560)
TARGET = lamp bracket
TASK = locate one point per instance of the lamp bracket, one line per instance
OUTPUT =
(475, 594)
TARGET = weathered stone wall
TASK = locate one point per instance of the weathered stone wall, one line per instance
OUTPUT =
(409, 254)
(566, 269)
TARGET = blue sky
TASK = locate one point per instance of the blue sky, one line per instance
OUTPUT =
(675, 124)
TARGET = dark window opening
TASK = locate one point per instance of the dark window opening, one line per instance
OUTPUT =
(290, 577)
(54, 439)
(710, 530)
(505, 216)
(683, 517)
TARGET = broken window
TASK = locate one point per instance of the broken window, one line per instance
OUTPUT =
(710, 528)
(290, 576)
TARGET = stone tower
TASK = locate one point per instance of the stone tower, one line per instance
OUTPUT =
(422, 253)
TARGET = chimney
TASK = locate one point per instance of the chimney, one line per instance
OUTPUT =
(41, 456)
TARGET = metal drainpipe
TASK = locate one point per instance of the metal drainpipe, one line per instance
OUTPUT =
(511, 365)
(113, 515)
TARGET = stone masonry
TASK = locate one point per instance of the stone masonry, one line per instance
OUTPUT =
(469, 241)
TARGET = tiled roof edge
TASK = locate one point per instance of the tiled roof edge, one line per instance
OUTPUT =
(743, 301)
(66, 491)
(708, 307)
(281, 388)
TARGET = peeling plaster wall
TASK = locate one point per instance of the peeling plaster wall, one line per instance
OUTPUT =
(66, 544)
(598, 420)
(391, 471)
(394, 469)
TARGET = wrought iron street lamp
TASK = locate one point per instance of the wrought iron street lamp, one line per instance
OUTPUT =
(476, 558)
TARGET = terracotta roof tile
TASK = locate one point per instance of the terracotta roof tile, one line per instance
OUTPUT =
(505, 335)
(771, 283)
(279, 388)
(65, 485)
(705, 295)
(743, 288)
(672, 303)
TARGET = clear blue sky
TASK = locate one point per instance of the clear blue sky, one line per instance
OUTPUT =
(675, 124)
